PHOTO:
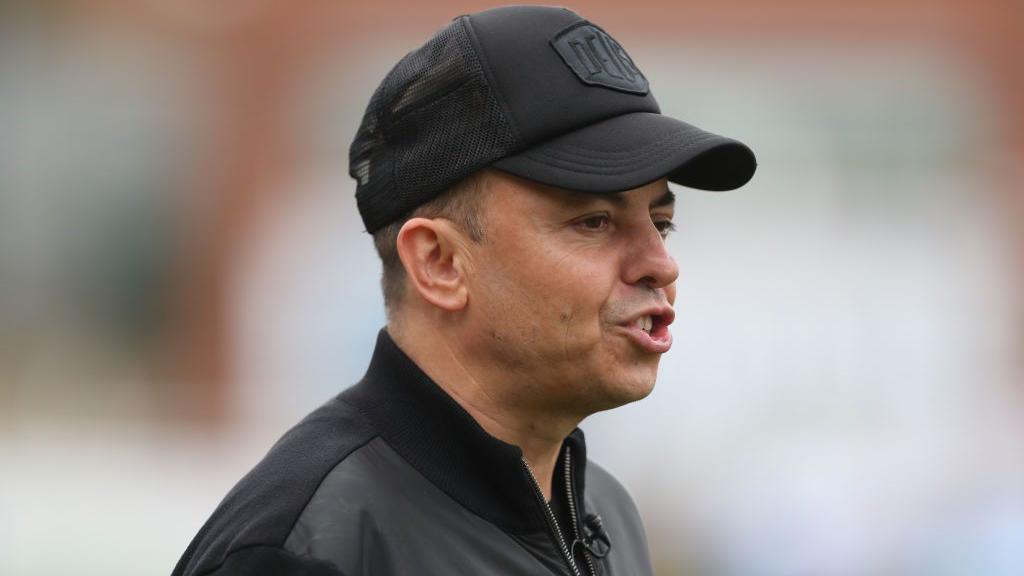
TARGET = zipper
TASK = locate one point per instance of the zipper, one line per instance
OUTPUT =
(570, 493)
(552, 521)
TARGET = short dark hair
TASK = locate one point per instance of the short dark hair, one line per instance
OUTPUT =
(461, 204)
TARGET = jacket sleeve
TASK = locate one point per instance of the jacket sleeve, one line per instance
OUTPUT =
(272, 561)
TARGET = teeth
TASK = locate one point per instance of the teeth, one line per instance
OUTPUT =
(645, 323)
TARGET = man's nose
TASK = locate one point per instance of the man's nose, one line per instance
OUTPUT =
(647, 261)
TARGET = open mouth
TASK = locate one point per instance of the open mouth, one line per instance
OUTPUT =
(650, 331)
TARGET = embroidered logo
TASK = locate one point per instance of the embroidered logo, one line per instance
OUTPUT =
(598, 59)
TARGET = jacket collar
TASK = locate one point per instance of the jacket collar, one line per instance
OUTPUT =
(443, 442)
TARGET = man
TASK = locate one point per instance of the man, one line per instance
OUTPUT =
(513, 171)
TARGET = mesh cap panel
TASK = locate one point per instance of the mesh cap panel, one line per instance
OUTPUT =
(433, 121)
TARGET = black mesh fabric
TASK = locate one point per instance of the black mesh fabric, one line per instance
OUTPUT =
(431, 122)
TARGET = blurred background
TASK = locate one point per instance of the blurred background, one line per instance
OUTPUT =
(183, 275)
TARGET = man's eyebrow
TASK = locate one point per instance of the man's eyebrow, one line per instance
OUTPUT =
(618, 199)
(666, 199)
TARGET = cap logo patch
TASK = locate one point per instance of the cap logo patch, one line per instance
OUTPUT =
(598, 59)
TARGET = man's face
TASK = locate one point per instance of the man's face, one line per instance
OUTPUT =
(561, 288)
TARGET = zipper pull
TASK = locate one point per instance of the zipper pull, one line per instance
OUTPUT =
(595, 538)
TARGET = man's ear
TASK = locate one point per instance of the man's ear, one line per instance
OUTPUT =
(430, 252)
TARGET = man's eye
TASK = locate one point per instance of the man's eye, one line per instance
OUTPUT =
(594, 223)
(664, 227)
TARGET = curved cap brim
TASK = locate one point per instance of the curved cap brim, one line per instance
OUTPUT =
(631, 150)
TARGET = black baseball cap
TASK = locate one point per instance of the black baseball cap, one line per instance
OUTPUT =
(535, 91)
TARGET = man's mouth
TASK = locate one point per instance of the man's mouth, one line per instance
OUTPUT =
(650, 331)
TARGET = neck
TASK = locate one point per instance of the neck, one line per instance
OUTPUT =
(487, 397)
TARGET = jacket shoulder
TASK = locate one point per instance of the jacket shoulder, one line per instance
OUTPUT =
(256, 516)
(606, 487)
(607, 497)
(271, 561)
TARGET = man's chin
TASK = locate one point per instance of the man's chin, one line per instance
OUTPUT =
(629, 389)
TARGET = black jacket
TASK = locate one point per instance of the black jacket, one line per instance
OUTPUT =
(393, 477)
